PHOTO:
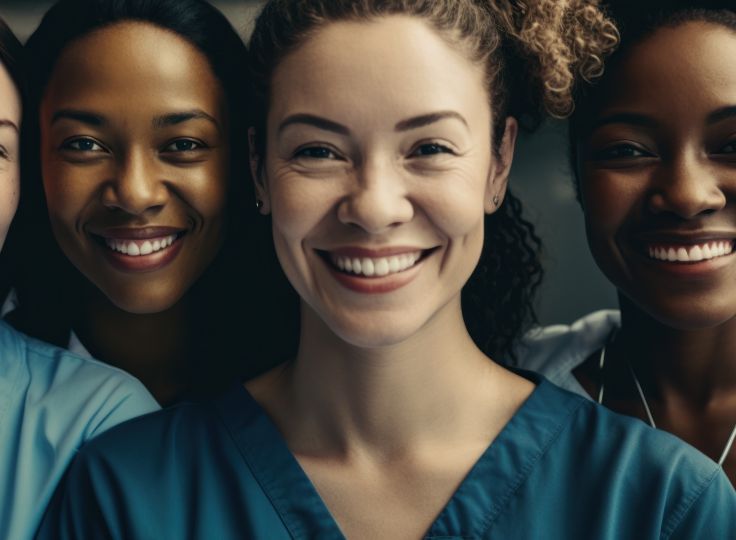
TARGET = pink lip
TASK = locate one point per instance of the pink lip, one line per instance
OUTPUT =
(143, 263)
(373, 284)
(137, 233)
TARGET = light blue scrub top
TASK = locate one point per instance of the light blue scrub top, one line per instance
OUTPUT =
(50, 403)
(562, 468)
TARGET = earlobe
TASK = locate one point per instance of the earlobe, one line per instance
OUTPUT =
(501, 167)
(256, 171)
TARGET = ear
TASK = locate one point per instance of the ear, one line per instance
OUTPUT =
(263, 201)
(498, 177)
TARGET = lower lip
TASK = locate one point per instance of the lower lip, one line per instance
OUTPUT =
(143, 263)
(375, 285)
(695, 270)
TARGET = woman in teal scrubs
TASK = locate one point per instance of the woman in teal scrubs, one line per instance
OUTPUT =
(50, 400)
(655, 160)
(381, 152)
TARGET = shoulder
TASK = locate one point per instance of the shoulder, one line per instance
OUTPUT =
(674, 479)
(557, 350)
(62, 385)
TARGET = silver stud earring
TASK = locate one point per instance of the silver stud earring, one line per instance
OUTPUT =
(259, 204)
(496, 200)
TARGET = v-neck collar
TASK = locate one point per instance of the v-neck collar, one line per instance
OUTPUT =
(481, 497)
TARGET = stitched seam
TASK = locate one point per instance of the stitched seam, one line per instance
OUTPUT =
(524, 473)
(679, 514)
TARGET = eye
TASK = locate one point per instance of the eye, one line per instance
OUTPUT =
(83, 144)
(620, 151)
(730, 148)
(183, 145)
(430, 149)
(3, 153)
(315, 152)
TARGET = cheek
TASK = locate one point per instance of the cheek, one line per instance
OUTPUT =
(205, 189)
(299, 206)
(9, 195)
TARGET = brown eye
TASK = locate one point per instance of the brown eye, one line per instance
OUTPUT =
(431, 149)
(621, 151)
(83, 144)
(183, 145)
(315, 152)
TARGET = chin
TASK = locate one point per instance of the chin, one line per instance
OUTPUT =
(375, 334)
(690, 315)
(143, 302)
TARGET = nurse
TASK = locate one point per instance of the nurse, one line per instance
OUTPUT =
(384, 140)
(137, 121)
(50, 400)
(655, 161)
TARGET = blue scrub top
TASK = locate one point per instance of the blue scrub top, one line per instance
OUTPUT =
(50, 403)
(562, 468)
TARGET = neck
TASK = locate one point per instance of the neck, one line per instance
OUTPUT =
(697, 364)
(152, 347)
(436, 385)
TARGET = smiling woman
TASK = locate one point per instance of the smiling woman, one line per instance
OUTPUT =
(383, 138)
(136, 115)
(655, 158)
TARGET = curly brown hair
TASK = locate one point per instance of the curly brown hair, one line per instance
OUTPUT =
(533, 53)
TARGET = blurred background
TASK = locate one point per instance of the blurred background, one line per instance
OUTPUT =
(573, 285)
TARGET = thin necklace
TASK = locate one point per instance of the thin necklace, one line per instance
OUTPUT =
(601, 363)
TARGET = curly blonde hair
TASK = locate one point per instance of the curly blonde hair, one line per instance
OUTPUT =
(534, 52)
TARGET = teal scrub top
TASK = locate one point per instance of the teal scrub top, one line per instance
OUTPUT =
(562, 468)
(51, 402)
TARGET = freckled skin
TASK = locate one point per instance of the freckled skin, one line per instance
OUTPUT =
(10, 116)
(127, 171)
(376, 190)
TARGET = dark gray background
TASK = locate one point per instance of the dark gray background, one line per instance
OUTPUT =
(573, 285)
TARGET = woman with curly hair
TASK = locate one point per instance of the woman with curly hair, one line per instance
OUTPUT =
(381, 154)
(654, 147)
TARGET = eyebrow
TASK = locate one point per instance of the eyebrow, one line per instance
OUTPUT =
(427, 119)
(404, 125)
(4, 122)
(721, 114)
(79, 116)
(175, 118)
(316, 121)
(634, 119)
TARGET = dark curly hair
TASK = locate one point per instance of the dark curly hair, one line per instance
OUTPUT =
(533, 52)
(636, 20)
(11, 58)
(46, 282)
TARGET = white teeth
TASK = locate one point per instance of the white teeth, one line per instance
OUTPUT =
(380, 266)
(694, 253)
(135, 248)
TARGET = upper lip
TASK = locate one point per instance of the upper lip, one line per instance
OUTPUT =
(685, 237)
(137, 233)
(376, 252)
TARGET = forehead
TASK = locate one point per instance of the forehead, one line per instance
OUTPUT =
(10, 107)
(396, 65)
(135, 63)
(690, 66)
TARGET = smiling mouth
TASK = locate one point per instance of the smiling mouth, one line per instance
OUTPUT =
(139, 247)
(374, 267)
(689, 253)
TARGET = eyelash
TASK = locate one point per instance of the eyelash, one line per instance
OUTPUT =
(615, 152)
(304, 152)
(67, 145)
(4, 153)
(197, 145)
(441, 149)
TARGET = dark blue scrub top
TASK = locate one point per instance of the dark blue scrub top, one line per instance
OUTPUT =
(562, 468)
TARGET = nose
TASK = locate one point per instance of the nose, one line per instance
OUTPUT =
(136, 186)
(689, 187)
(377, 199)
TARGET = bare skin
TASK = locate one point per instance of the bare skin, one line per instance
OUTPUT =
(388, 403)
(135, 152)
(660, 170)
